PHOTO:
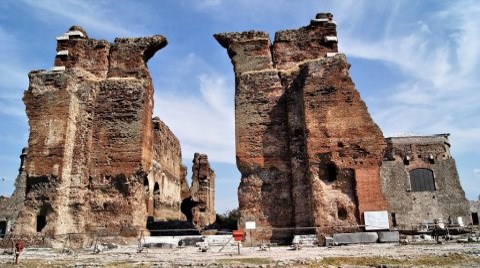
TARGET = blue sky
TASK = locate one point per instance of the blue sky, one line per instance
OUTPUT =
(415, 64)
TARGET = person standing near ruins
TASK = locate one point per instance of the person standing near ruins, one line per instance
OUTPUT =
(18, 250)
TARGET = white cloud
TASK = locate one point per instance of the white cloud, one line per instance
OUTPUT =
(13, 75)
(440, 50)
(214, 89)
(476, 171)
(439, 60)
(202, 4)
(203, 123)
(93, 15)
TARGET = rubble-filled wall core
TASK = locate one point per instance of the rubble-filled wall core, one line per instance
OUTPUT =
(10, 206)
(308, 150)
(167, 177)
(420, 182)
(199, 207)
(95, 155)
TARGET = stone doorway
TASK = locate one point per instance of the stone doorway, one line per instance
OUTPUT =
(3, 228)
(41, 222)
(475, 218)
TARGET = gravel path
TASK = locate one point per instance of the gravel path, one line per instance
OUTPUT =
(394, 255)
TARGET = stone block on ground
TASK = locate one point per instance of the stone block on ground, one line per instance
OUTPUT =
(305, 240)
(355, 238)
(160, 245)
(218, 239)
(388, 237)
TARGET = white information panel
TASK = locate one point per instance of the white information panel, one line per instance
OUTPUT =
(250, 225)
(376, 220)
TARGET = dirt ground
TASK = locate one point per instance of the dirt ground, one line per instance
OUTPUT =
(372, 255)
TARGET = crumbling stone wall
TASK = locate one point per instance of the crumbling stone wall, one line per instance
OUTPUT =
(10, 206)
(168, 176)
(199, 207)
(93, 144)
(409, 207)
(308, 151)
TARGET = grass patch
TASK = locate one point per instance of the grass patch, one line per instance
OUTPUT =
(255, 261)
(127, 265)
(34, 263)
(415, 261)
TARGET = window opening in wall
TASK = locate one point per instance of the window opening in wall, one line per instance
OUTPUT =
(342, 213)
(156, 189)
(145, 184)
(156, 196)
(41, 222)
(394, 219)
(3, 228)
(475, 218)
(331, 172)
(421, 179)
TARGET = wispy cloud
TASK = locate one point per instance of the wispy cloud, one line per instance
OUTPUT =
(196, 101)
(214, 91)
(203, 123)
(437, 55)
(13, 75)
(202, 4)
(95, 16)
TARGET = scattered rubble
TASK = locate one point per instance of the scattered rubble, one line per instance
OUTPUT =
(372, 255)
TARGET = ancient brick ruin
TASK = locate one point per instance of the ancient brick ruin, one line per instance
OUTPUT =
(200, 205)
(309, 153)
(10, 206)
(312, 159)
(308, 150)
(97, 160)
(421, 183)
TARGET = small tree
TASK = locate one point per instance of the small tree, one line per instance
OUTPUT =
(228, 220)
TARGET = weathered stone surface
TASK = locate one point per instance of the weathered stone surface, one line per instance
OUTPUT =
(199, 207)
(96, 159)
(10, 206)
(355, 238)
(308, 151)
(343, 145)
(167, 177)
(409, 207)
(388, 237)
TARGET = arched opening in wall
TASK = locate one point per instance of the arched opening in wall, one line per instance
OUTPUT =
(156, 195)
(186, 208)
(422, 179)
(41, 220)
(475, 218)
(3, 228)
(148, 199)
(342, 213)
(331, 172)
(146, 186)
